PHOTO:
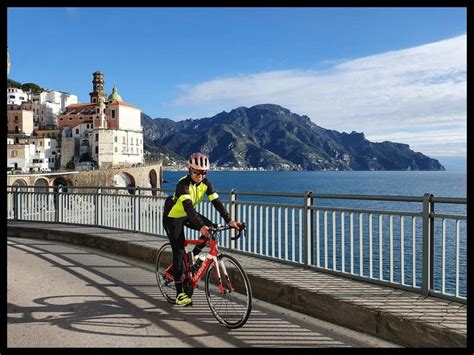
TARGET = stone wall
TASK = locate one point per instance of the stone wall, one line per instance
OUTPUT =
(68, 145)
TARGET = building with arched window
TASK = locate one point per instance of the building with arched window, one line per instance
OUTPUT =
(114, 131)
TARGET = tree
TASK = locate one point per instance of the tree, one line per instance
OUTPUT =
(13, 84)
(34, 88)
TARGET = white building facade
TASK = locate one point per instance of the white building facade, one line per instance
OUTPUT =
(47, 105)
(16, 96)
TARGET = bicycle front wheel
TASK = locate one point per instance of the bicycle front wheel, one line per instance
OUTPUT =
(164, 273)
(230, 297)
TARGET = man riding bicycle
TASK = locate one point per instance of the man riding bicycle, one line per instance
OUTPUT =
(180, 211)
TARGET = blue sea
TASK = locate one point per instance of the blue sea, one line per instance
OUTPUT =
(383, 183)
(397, 183)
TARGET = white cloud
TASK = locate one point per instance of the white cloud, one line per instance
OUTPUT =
(421, 89)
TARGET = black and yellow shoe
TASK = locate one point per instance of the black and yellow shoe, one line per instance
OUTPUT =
(183, 299)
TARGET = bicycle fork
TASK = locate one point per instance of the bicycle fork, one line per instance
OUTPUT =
(220, 265)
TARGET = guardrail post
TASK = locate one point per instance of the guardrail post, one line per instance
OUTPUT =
(432, 242)
(16, 202)
(136, 210)
(57, 203)
(428, 245)
(308, 228)
(233, 217)
(98, 206)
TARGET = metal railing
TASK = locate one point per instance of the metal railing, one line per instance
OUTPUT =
(412, 248)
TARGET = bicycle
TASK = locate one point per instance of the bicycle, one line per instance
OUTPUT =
(230, 301)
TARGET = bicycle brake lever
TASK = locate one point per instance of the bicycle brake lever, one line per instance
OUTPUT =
(240, 232)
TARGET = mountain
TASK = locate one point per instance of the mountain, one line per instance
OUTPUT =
(272, 137)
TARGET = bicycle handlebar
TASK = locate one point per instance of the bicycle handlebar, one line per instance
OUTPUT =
(219, 228)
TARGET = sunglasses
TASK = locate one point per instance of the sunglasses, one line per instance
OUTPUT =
(199, 172)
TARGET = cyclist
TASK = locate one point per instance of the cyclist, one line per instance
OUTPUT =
(180, 211)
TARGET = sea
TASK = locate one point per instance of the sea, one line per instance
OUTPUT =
(379, 183)
(394, 183)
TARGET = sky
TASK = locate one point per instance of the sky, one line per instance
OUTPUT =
(396, 74)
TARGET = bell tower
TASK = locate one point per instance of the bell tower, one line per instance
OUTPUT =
(98, 87)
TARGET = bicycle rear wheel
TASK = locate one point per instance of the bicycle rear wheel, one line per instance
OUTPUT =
(164, 273)
(231, 300)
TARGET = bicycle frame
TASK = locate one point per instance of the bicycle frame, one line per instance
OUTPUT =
(211, 257)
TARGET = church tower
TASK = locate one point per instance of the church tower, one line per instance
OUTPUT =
(98, 87)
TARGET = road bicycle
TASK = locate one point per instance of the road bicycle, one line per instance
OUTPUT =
(226, 285)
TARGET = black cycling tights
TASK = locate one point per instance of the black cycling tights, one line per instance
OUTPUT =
(174, 228)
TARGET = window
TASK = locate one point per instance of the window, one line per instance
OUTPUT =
(80, 118)
(131, 140)
(16, 118)
(115, 149)
(41, 143)
(97, 137)
(77, 130)
(61, 119)
(70, 118)
(96, 150)
(115, 140)
(113, 113)
(14, 153)
(123, 140)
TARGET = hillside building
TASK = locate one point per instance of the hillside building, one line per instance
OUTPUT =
(50, 130)
(19, 120)
(16, 96)
(107, 130)
(47, 105)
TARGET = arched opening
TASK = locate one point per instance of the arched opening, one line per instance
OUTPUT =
(21, 184)
(64, 183)
(41, 185)
(153, 180)
(124, 180)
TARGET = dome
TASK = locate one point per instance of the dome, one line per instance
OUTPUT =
(114, 96)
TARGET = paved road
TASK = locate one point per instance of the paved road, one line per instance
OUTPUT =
(61, 295)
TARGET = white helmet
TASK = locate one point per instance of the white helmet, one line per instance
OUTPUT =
(199, 161)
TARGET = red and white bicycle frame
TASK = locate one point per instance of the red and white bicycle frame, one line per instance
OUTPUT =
(210, 257)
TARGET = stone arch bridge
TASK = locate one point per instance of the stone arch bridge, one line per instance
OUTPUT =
(146, 176)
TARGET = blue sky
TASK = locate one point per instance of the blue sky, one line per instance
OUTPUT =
(395, 74)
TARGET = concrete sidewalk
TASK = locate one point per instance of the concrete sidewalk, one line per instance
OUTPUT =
(402, 317)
